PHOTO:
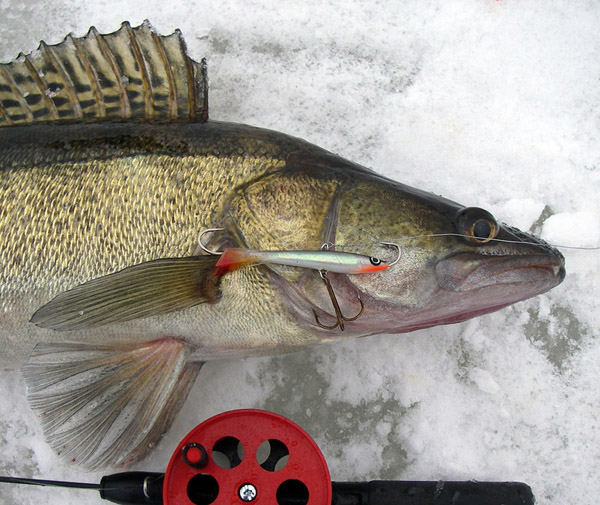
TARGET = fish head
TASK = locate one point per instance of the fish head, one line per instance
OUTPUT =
(453, 262)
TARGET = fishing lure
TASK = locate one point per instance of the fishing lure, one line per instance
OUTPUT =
(330, 261)
(324, 260)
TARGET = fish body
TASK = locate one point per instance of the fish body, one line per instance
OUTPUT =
(106, 298)
(330, 261)
(141, 204)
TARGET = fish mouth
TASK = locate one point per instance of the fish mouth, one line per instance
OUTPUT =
(531, 274)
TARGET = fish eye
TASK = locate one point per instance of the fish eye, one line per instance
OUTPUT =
(482, 229)
(375, 261)
(476, 225)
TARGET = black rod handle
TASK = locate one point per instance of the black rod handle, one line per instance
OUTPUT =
(385, 492)
(133, 488)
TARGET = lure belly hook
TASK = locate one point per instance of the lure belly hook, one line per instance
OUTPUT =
(340, 318)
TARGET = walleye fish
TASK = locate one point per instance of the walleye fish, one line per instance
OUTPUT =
(109, 169)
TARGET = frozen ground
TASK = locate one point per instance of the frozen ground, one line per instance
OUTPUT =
(491, 103)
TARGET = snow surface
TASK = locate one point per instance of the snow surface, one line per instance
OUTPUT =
(490, 103)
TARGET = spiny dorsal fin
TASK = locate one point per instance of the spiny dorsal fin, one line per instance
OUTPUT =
(131, 74)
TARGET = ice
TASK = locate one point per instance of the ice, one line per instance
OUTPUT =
(493, 104)
(578, 229)
(520, 212)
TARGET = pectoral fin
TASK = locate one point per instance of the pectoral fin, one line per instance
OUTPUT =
(105, 406)
(143, 290)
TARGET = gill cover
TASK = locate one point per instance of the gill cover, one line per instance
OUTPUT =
(288, 209)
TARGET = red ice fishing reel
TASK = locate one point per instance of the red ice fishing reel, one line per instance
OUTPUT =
(253, 457)
(247, 456)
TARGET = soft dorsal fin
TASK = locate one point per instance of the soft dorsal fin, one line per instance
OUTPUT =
(131, 74)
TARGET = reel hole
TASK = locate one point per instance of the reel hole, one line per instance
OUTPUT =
(292, 492)
(228, 452)
(272, 455)
(202, 489)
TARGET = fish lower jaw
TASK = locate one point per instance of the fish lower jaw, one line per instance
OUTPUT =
(442, 306)
(455, 318)
(406, 323)
(456, 306)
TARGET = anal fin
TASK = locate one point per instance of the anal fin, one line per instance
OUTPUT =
(103, 406)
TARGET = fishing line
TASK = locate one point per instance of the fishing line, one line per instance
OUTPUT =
(331, 246)
(53, 483)
(501, 240)
(117, 488)
(507, 241)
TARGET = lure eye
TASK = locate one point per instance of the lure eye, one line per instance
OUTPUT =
(476, 225)
(375, 261)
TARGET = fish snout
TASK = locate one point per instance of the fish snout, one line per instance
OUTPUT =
(526, 275)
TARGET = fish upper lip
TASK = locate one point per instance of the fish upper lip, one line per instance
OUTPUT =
(470, 271)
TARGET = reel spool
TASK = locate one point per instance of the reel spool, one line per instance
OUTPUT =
(247, 456)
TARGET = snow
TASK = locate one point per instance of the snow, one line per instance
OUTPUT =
(493, 104)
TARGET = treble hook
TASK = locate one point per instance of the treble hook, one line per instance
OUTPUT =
(336, 306)
(202, 246)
